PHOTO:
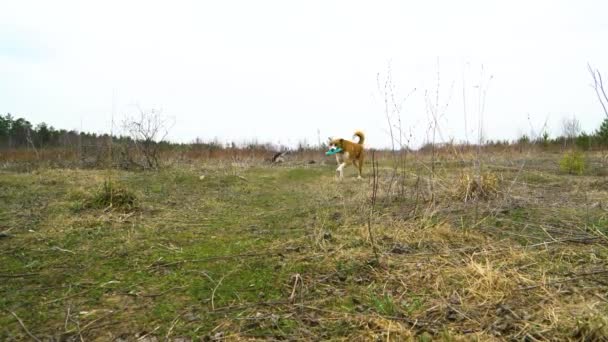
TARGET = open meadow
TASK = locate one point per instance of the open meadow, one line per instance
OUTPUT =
(245, 250)
(192, 171)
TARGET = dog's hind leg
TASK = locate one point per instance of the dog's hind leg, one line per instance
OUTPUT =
(357, 166)
(360, 167)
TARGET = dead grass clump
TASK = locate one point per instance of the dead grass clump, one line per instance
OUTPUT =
(487, 281)
(478, 282)
(594, 328)
(600, 184)
(112, 196)
(470, 186)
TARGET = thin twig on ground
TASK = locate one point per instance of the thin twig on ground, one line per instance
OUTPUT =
(24, 327)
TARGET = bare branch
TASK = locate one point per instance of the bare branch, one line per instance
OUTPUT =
(603, 91)
(598, 86)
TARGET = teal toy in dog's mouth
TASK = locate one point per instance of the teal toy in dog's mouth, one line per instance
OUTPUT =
(333, 151)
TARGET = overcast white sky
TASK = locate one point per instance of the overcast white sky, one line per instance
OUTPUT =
(281, 70)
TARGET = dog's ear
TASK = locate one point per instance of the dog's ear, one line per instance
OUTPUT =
(341, 141)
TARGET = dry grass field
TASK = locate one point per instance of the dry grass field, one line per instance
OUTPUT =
(212, 250)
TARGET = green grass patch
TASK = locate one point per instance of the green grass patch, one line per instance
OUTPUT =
(284, 253)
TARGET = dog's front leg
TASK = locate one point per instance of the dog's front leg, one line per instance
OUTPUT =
(341, 170)
(340, 167)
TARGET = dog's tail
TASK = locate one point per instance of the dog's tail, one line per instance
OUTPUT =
(361, 137)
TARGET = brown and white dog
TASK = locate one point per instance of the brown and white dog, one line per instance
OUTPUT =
(352, 152)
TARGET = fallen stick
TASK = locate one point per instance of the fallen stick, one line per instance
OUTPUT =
(578, 276)
(24, 327)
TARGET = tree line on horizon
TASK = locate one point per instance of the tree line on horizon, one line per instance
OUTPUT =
(16, 133)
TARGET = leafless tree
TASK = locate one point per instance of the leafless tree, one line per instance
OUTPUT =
(148, 129)
(598, 86)
(571, 128)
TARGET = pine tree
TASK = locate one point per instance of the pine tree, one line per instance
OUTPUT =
(602, 132)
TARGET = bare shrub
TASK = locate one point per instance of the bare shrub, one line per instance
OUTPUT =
(147, 130)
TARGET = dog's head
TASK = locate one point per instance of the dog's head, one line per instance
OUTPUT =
(335, 142)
